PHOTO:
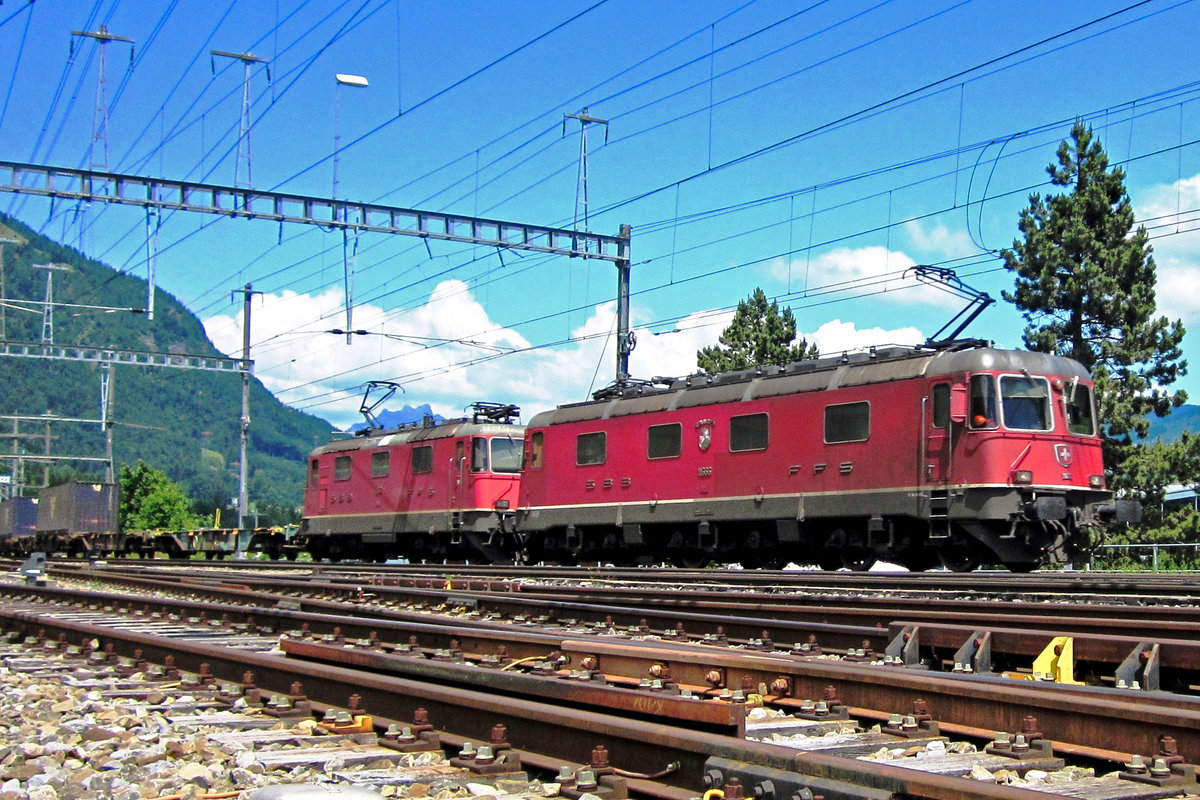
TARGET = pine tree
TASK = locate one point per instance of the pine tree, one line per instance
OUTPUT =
(1085, 283)
(758, 335)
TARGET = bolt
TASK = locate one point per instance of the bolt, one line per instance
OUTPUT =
(1001, 741)
(1136, 764)
(713, 678)
(1160, 768)
(585, 779)
(566, 775)
(599, 758)
(733, 789)
(468, 750)
(1167, 746)
(499, 734)
(589, 663)
(781, 687)
(1019, 744)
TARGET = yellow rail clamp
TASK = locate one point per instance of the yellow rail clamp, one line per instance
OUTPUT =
(362, 724)
(1057, 661)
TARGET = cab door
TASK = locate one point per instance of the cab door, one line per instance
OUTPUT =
(937, 458)
(936, 461)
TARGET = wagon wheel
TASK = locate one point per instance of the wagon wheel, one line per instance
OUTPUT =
(1022, 566)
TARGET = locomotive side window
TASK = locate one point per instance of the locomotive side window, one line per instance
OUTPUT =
(983, 402)
(941, 405)
(422, 459)
(747, 432)
(590, 448)
(1080, 418)
(507, 453)
(664, 441)
(381, 463)
(537, 449)
(313, 473)
(847, 422)
(341, 468)
(1026, 402)
(479, 454)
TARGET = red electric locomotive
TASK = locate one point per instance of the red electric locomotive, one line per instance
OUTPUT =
(963, 454)
(444, 490)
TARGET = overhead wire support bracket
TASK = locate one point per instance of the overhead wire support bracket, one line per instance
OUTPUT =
(135, 190)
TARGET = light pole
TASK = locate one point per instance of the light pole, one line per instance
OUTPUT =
(340, 80)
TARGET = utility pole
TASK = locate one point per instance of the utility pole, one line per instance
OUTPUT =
(243, 149)
(106, 419)
(48, 306)
(581, 188)
(247, 366)
(100, 115)
(3, 295)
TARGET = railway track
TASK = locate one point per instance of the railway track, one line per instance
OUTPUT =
(676, 687)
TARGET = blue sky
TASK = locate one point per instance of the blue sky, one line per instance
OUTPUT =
(814, 149)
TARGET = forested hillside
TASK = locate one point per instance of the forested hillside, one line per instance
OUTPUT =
(184, 422)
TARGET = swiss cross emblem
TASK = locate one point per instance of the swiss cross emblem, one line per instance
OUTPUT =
(1062, 452)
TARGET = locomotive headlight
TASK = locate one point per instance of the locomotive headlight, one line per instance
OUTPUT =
(1023, 476)
(501, 505)
(1096, 481)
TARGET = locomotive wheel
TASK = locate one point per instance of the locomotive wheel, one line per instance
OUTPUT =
(957, 558)
(830, 559)
(690, 558)
(1022, 566)
(859, 559)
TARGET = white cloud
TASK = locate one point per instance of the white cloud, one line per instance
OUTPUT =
(837, 336)
(939, 240)
(1175, 246)
(854, 272)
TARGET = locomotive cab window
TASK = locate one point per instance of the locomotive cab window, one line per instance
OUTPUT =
(1080, 419)
(422, 459)
(847, 422)
(479, 454)
(664, 441)
(381, 463)
(590, 448)
(941, 405)
(537, 450)
(314, 475)
(1025, 401)
(748, 432)
(983, 402)
(341, 468)
(507, 453)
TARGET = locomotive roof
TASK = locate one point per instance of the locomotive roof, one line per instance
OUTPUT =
(413, 435)
(821, 374)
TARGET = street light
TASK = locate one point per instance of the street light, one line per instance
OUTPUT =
(342, 79)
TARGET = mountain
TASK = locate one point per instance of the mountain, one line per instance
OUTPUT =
(405, 416)
(183, 422)
(1170, 427)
